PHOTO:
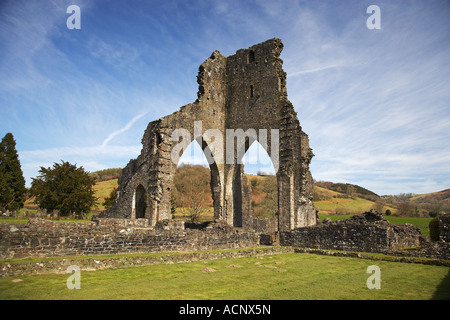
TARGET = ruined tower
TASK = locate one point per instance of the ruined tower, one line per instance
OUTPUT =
(243, 96)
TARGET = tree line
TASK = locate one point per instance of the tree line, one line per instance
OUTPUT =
(64, 187)
(68, 189)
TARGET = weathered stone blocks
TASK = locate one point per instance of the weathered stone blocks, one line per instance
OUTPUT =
(245, 91)
(40, 238)
(368, 232)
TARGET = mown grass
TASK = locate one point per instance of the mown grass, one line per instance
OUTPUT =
(284, 276)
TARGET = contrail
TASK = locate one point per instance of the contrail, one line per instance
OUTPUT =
(128, 126)
(314, 70)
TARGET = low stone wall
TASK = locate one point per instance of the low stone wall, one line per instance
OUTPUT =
(265, 225)
(101, 263)
(43, 238)
(444, 228)
(368, 232)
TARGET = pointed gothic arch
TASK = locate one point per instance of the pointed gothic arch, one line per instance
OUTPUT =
(224, 103)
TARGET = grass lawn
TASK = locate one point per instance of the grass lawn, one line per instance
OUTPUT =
(293, 276)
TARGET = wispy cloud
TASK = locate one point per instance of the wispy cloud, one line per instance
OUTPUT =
(120, 131)
(318, 69)
(375, 103)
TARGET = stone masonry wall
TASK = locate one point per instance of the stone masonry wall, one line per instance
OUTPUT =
(43, 238)
(444, 228)
(241, 99)
(368, 232)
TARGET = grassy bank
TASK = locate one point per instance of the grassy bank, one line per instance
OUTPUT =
(284, 276)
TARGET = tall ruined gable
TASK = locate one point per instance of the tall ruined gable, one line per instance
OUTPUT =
(245, 92)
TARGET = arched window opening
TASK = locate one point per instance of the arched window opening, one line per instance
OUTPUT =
(191, 193)
(261, 175)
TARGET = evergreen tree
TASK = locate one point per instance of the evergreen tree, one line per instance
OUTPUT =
(12, 182)
(109, 201)
(65, 188)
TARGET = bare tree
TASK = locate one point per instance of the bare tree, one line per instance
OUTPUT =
(379, 204)
(194, 202)
(351, 191)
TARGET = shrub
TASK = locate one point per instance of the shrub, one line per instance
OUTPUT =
(65, 188)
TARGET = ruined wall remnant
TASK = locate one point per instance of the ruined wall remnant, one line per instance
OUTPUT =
(242, 95)
(45, 238)
(368, 232)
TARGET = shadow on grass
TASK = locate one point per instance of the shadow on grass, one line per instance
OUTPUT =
(443, 289)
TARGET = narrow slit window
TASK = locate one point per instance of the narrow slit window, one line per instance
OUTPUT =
(251, 91)
(251, 56)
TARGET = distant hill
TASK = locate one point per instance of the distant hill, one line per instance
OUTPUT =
(428, 204)
(348, 189)
(430, 197)
(106, 174)
(329, 197)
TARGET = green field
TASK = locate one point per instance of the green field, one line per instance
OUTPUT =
(295, 276)
(102, 190)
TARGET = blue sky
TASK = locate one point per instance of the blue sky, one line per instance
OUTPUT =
(375, 103)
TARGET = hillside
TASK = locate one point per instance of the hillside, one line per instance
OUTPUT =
(348, 189)
(429, 204)
(330, 198)
(352, 199)
(102, 190)
(106, 174)
(343, 199)
(430, 197)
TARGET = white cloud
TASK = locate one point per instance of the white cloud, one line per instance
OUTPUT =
(317, 69)
(127, 127)
(374, 103)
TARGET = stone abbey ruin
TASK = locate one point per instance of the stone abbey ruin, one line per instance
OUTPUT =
(243, 96)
